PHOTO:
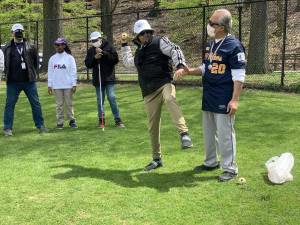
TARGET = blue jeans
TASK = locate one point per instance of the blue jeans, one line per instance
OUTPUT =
(13, 91)
(110, 92)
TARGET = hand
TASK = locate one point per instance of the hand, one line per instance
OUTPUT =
(124, 38)
(74, 89)
(232, 107)
(98, 53)
(180, 73)
(50, 91)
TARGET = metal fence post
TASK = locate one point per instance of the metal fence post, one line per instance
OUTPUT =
(87, 46)
(203, 31)
(284, 43)
(37, 46)
(0, 35)
(240, 8)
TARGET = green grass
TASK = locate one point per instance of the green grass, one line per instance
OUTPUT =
(87, 176)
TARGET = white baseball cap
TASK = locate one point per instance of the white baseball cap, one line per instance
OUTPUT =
(140, 26)
(95, 35)
(17, 26)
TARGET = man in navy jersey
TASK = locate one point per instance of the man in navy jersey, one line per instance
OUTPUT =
(223, 71)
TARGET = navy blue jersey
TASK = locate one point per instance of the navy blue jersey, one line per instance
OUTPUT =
(217, 79)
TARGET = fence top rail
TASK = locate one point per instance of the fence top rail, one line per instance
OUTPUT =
(237, 3)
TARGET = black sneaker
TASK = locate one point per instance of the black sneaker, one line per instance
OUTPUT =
(227, 176)
(73, 124)
(203, 168)
(59, 126)
(156, 163)
(120, 124)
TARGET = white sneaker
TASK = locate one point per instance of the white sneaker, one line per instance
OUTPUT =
(7, 132)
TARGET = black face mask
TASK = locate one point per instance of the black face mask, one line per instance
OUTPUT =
(19, 34)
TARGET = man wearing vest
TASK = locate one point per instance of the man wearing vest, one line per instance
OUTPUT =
(21, 63)
(223, 71)
(153, 59)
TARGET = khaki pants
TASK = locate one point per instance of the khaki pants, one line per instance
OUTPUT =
(64, 96)
(153, 103)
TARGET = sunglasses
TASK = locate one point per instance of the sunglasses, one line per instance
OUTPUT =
(213, 24)
(93, 41)
(57, 45)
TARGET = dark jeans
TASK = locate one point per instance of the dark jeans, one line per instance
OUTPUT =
(110, 92)
(12, 94)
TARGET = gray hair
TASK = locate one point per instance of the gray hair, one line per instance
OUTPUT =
(225, 20)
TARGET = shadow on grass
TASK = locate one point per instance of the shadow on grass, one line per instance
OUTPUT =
(135, 178)
(266, 179)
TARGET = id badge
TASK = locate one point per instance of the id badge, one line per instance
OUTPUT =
(23, 65)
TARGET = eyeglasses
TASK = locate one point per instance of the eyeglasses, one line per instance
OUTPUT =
(213, 24)
(57, 45)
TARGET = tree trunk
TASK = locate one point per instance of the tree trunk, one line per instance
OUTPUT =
(258, 62)
(279, 17)
(52, 10)
(106, 19)
(298, 6)
(154, 11)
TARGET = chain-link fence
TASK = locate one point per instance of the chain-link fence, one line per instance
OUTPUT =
(268, 30)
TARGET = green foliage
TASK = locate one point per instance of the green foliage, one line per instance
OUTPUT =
(12, 11)
(171, 4)
(90, 177)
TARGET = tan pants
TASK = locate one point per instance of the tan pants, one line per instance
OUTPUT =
(64, 96)
(153, 103)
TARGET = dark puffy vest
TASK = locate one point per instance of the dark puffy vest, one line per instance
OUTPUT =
(154, 68)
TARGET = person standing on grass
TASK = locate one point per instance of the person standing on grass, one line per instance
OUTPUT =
(153, 59)
(62, 80)
(104, 56)
(223, 71)
(20, 68)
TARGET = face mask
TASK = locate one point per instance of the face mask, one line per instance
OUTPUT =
(210, 31)
(97, 44)
(19, 34)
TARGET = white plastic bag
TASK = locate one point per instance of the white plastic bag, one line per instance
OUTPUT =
(279, 168)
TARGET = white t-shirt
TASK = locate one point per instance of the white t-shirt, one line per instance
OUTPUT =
(1, 61)
(62, 71)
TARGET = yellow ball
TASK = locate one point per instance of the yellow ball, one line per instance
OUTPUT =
(124, 35)
(241, 180)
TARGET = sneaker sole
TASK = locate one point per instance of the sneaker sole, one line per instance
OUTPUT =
(149, 170)
(186, 147)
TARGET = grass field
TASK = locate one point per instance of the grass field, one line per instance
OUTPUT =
(90, 177)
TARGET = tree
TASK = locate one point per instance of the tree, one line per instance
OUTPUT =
(258, 62)
(279, 17)
(52, 10)
(107, 8)
(298, 6)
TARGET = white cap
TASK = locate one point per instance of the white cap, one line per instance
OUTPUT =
(140, 26)
(95, 35)
(17, 26)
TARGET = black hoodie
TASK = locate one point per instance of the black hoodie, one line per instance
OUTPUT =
(107, 63)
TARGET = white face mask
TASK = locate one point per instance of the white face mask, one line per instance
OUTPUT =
(210, 31)
(97, 44)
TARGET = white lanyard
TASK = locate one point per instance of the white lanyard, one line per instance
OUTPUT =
(211, 55)
(20, 51)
